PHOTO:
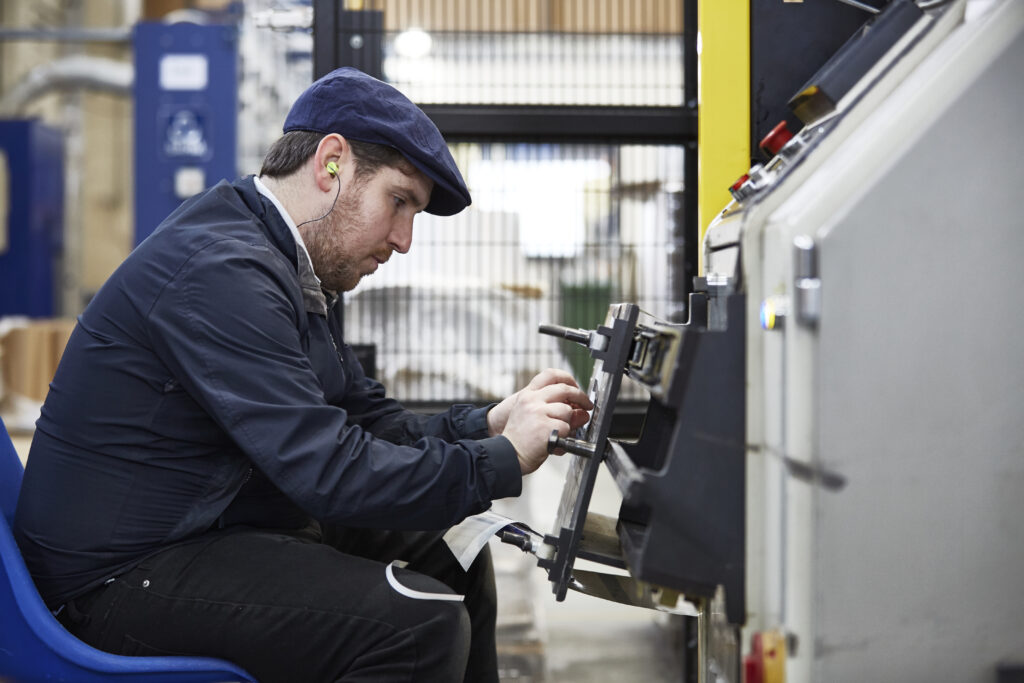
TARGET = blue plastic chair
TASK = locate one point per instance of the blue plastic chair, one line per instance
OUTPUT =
(33, 644)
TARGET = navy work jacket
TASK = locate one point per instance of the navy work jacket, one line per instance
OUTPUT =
(207, 384)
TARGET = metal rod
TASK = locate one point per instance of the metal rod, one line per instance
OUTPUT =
(576, 335)
(860, 5)
(68, 35)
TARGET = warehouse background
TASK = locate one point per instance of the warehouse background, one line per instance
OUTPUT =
(557, 230)
(562, 223)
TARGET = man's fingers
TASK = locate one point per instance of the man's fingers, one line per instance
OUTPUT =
(564, 393)
(560, 411)
(578, 418)
(586, 404)
(562, 426)
(579, 400)
(552, 401)
(551, 376)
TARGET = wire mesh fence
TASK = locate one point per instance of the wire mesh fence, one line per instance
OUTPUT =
(556, 232)
(543, 52)
(554, 235)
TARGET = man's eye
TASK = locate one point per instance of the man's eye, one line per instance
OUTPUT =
(399, 202)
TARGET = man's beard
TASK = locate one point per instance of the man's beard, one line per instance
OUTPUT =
(326, 241)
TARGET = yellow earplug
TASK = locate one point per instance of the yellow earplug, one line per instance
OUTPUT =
(332, 168)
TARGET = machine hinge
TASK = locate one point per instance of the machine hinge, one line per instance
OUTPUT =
(806, 282)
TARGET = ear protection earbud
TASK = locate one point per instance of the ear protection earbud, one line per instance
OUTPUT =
(332, 169)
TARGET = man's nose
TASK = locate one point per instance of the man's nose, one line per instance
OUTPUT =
(401, 236)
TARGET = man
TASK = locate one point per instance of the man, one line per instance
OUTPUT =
(206, 412)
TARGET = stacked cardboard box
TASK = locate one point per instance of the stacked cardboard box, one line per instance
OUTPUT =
(29, 353)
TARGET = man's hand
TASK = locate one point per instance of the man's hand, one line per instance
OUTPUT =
(498, 415)
(551, 401)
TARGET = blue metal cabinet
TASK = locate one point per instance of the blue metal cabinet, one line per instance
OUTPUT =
(186, 109)
(32, 221)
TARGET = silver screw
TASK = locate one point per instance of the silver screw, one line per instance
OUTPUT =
(145, 583)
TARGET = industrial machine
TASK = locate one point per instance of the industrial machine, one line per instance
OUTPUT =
(831, 455)
(880, 385)
(688, 462)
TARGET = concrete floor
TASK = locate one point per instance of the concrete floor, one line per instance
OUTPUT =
(581, 639)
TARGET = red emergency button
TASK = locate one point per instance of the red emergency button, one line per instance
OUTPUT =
(774, 141)
(739, 183)
(753, 663)
(735, 190)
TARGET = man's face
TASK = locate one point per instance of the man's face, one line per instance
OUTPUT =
(371, 219)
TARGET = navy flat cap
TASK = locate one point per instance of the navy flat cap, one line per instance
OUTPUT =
(354, 105)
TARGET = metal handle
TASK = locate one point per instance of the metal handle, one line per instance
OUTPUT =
(574, 446)
(572, 334)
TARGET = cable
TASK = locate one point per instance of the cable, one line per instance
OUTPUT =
(314, 220)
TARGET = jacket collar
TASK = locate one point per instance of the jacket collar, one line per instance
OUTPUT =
(314, 298)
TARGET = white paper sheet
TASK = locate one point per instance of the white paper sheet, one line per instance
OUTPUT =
(467, 538)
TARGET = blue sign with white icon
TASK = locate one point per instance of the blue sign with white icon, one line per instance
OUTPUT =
(186, 109)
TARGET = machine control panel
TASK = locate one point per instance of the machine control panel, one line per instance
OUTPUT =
(865, 67)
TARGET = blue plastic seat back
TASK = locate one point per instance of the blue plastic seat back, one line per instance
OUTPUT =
(10, 475)
(33, 644)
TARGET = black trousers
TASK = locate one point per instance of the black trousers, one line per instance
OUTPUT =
(302, 606)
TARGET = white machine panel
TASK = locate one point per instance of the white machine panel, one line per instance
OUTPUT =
(885, 477)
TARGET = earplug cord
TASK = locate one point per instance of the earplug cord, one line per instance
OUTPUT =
(337, 191)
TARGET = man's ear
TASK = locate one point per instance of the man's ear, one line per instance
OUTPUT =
(331, 162)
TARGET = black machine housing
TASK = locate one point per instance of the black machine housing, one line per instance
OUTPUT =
(681, 523)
